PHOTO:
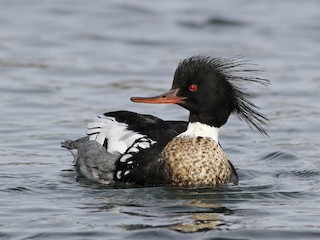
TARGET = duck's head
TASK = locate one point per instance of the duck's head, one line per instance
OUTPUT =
(208, 88)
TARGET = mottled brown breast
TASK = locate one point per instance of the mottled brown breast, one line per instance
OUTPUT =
(196, 161)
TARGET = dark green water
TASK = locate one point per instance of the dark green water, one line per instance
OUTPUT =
(64, 62)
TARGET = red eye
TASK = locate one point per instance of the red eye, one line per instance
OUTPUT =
(193, 88)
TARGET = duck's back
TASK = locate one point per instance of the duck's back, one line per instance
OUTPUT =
(121, 145)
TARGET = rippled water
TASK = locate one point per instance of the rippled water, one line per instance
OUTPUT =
(63, 62)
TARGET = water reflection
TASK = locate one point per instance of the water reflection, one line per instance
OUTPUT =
(210, 218)
(181, 210)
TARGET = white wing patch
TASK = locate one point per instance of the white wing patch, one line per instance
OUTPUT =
(142, 143)
(125, 159)
(117, 134)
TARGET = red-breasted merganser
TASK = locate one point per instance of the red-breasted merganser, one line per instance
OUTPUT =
(128, 147)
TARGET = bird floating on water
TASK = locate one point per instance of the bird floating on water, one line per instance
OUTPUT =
(124, 146)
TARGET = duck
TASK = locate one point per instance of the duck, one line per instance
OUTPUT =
(139, 149)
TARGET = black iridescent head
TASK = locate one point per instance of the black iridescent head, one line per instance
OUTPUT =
(209, 89)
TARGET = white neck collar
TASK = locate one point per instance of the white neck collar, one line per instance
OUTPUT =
(197, 129)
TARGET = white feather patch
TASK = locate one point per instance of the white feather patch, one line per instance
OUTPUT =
(125, 157)
(196, 129)
(143, 144)
(118, 175)
(117, 133)
(133, 150)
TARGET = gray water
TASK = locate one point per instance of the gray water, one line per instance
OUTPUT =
(64, 62)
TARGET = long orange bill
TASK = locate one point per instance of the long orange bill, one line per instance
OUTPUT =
(168, 97)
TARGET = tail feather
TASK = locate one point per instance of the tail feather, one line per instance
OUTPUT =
(73, 146)
(70, 144)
